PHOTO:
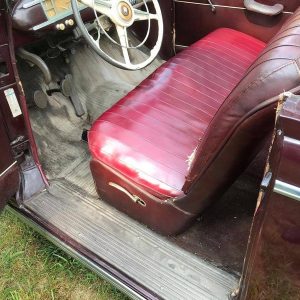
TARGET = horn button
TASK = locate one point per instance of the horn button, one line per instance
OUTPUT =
(125, 11)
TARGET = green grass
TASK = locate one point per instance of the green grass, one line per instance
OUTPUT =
(33, 268)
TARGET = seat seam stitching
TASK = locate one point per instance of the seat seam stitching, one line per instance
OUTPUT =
(142, 138)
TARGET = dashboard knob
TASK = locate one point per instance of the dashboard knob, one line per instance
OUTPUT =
(60, 26)
(69, 22)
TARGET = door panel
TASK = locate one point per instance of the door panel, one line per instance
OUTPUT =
(9, 80)
(198, 16)
(272, 266)
(9, 175)
(13, 134)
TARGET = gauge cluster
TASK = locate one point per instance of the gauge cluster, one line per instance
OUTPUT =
(53, 8)
(45, 15)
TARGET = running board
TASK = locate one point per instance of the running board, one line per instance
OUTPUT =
(75, 254)
(148, 259)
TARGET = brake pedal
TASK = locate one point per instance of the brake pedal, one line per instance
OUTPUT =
(40, 99)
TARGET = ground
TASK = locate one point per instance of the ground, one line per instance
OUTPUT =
(32, 268)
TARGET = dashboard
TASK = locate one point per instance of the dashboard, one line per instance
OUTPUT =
(45, 15)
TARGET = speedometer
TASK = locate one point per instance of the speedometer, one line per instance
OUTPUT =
(55, 7)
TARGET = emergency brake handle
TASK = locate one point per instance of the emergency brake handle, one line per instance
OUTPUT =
(269, 10)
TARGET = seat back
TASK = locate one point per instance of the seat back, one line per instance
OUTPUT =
(231, 141)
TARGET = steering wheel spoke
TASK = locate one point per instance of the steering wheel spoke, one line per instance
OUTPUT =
(122, 34)
(100, 6)
(140, 15)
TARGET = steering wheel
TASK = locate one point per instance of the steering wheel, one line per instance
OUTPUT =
(123, 14)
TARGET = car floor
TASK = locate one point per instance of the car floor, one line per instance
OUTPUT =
(219, 235)
(98, 85)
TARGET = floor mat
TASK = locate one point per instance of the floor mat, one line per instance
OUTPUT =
(78, 174)
(58, 135)
(98, 85)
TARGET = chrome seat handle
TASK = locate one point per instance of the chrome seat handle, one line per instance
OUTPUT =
(134, 198)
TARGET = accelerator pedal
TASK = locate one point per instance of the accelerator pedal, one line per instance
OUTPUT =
(67, 88)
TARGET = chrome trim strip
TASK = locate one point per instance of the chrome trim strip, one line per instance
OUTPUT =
(292, 141)
(6, 170)
(32, 3)
(287, 190)
(218, 5)
(73, 253)
(207, 4)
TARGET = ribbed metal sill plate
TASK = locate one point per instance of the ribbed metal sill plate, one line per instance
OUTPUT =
(143, 255)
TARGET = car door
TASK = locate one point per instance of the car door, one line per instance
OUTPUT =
(196, 18)
(13, 132)
(271, 269)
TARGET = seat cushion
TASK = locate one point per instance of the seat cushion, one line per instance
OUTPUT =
(150, 135)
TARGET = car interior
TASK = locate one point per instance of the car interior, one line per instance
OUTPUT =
(154, 143)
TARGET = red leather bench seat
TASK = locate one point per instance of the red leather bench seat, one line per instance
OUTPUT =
(150, 134)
